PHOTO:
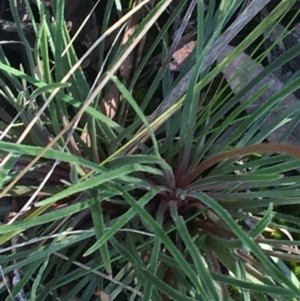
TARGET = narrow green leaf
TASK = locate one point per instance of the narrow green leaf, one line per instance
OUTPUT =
(247, 241)
(262, 224)
(121, 221)
(201, 266)
(99, 226)
(164, 237)
(94, 181)
(48, 88)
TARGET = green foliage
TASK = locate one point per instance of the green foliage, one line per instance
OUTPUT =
(146, 206)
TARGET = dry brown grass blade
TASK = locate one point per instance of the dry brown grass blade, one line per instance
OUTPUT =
(274, 148)
(283, 256)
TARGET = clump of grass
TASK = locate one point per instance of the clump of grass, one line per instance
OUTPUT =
(118, 204)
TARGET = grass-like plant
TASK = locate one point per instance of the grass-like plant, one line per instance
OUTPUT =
(157, 200)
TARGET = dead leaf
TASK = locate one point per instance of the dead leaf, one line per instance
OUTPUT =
(103, 296)
(180, 56)
(111, 102)
(127, 66)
